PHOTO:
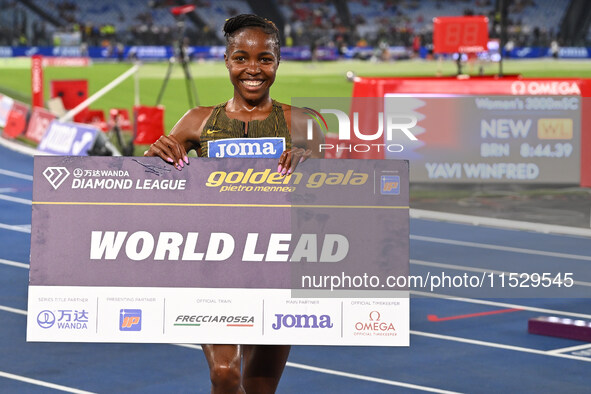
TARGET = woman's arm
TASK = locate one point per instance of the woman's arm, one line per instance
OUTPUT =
(302, 147)
(183, 137)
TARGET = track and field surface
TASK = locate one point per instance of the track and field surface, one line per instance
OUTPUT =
(469, 345)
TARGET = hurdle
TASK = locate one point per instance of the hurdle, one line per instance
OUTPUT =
(560, 327)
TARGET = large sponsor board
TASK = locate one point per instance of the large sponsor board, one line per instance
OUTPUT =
(225, 251)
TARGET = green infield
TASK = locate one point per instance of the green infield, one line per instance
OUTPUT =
(294, 79)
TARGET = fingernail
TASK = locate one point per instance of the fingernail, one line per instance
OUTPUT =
(168, 159)
(181, 164)
(289, 171)
(186, 159)
(301, 159)
(279, 168)
(284, 171)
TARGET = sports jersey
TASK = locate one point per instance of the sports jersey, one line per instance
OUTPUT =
(225, 137)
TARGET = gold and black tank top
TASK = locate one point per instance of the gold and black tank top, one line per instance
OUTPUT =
(225, 137)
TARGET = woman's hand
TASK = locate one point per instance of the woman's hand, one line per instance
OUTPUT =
(289, 159)
(169, 149)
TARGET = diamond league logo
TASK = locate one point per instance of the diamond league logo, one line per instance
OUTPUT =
(56, 175)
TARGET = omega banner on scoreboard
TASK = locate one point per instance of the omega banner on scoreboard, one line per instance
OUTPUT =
(224, 251)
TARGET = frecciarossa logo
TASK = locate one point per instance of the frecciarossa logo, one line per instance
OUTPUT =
(270, 147)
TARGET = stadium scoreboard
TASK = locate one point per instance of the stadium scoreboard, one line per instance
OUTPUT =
(464, 34)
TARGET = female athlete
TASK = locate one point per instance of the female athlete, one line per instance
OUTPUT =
(252, 58)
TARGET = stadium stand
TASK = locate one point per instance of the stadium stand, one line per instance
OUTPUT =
(215, 13)
(535, 22)
(307, 22)
(21, 26)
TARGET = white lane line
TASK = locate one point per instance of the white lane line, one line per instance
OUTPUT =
(571, 348)
(42, 383)
(14, 264)
(349, 375)
(474, 269)
(499, 247)
(500, 304)
(19, 175)
(16, 199)
(320, 370)
(514, 225)
(367, 378)
(25, 150)
(23, 228)
(13, 310)
(498, 345)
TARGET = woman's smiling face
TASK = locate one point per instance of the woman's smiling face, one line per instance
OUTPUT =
(252, 58)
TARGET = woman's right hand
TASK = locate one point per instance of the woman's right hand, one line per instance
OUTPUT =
(169, 149)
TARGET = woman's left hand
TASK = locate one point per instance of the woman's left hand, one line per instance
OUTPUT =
(290, 159)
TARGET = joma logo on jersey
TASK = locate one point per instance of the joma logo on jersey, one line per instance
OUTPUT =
(130, 320)
(247, 147)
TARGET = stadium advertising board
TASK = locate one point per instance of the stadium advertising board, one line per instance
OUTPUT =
(75, 56)
(16, 121)
(225, 251)
(38, 124)
(6, 104)
(68, 138)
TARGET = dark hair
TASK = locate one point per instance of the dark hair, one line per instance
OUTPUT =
(243, 21)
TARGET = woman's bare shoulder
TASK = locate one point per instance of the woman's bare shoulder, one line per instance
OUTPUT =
(294, 115)
(190, 125)
(293, 110)
(198, 113)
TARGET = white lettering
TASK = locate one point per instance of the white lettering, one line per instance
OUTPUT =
(249, 249)
(306, 248)
(217, 240)
(275, 247)
(504, 128)
(168, 242)
(147, 245)
(107, 245)
(334, 248)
